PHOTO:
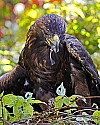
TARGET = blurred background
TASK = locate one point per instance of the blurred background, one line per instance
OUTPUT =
(16, 16)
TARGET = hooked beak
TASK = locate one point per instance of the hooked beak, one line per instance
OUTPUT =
(54, 43)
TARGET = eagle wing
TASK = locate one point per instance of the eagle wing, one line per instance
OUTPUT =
(13, 81)
(84, 76)
(77, 50)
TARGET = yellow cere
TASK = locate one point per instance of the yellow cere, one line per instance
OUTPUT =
(55, 38)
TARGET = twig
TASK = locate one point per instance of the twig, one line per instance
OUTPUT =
(5, 121)
(2, 109)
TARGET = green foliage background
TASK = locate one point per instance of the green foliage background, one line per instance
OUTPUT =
(82, 18)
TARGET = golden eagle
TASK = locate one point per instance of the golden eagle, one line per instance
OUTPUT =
(51, 56)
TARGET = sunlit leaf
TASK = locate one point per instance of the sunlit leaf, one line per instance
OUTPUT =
(59, 104)
(96, 117)
(1, 94)
(28, 110)
(9, 99)
(58, 98)
(66, 100)
(32, 13)
(15, 110)
(98, 31)
(7, 68)
(5, 61)
(38, 102)
(3, 110)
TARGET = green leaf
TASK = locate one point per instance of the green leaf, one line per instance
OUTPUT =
(9, 99)
(73, 104)
(1, 94)
(30, 101)
(17, 117)
(73, 97)
(19, 101)
(66, 101)
(38, 102)
(96, 117)
(28, 110)
(59, 104)
(20, 97)
(15, 110)
(5, 112)
(58, 98)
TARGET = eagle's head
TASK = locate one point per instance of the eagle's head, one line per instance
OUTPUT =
(49, 29)
(51, 25)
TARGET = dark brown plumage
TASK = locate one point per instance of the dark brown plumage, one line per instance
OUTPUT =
(35, 56)
(84, 76)
(48, 63)
(51, 57)
(13, 81)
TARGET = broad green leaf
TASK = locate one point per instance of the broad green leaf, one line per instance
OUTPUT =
(7, 68)
(17, 117)
(19, 102)
(28, 110)
(15, 110)
(59, 104)
(66, 101)
(58, 98)
(73, 104)
(5, 61)
(96, 117)
(30, 100)
(9, 99)
(73, 97)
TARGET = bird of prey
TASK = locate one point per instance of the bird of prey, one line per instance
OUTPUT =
(51, 56)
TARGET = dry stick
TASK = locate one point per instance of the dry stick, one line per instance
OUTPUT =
(80, 107)
(67, 107)
(5, 121)
(44, 115)
(2, 109)
(53, 115)
(91, 97)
